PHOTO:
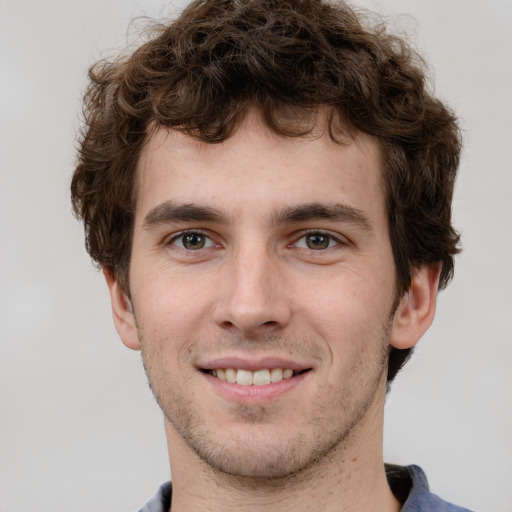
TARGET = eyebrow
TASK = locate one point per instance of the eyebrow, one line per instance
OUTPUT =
(320, 211)
(170, 211)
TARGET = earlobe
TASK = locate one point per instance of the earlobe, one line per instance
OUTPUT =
(416, 309)
(122, 312)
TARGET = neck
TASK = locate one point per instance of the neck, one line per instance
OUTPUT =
(349, 478)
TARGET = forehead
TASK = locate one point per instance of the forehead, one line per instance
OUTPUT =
(256, 170)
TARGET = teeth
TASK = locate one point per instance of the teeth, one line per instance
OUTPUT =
(260, 378)
(231, 375)
(248, 378)
(287, 373)
(244, 377)
(276, 374)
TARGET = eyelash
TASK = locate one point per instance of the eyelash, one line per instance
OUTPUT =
(191, 232)
(210, 243)
(331, 238)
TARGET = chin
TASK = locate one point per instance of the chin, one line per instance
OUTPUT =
(260, 452)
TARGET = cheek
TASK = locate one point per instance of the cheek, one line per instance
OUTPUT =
(347, 290)
(347, 307)
(166, 292)
(169, 314)
(168, 324)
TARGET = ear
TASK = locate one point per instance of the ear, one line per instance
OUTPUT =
(122, 312)
(416, 309)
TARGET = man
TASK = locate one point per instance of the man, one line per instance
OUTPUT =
(267, 187)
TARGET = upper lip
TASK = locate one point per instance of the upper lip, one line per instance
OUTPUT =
(254, 364)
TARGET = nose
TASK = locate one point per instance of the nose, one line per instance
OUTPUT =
(253, 294)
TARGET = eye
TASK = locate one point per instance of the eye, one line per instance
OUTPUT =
(192, 241)
(317, 241)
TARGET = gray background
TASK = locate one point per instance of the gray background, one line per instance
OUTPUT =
(79, 429)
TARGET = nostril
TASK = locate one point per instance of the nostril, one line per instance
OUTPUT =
(249, 318)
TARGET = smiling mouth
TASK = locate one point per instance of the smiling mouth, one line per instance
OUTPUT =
(257, 378)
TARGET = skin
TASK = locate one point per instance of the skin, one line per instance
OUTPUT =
(290, 264)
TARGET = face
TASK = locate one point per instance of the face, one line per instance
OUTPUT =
(262, 285)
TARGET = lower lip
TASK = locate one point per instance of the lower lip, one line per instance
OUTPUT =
(265, 393)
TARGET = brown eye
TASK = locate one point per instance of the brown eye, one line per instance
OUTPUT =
(317, 241)
(192, 241)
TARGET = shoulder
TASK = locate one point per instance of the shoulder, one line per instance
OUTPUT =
(161, 501)
(418, 498)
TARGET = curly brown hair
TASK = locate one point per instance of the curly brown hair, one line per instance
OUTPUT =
(201, 74)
